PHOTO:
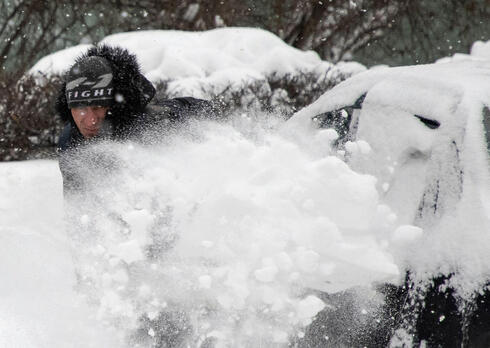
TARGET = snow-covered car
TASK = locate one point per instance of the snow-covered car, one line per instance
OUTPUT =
(424, 133)
(428, 131)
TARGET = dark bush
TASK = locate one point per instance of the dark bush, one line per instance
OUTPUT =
(28, 126)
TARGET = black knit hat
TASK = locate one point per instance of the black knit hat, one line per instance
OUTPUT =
(89, 82)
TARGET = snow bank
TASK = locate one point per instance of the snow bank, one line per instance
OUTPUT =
(38, 304)
(209, 60)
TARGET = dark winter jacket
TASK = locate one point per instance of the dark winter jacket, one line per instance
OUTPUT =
(131, 114)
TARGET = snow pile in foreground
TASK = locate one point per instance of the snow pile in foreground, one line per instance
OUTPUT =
(38, 305)
(209, 61)
(224, 231)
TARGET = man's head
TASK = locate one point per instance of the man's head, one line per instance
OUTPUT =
(90, 93)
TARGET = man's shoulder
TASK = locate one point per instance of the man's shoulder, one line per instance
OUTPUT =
(70, 137)
(65, 137)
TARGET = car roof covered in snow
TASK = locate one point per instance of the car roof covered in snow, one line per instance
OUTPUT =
(455, 80)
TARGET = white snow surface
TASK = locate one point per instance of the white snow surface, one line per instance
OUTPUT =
(194, 62)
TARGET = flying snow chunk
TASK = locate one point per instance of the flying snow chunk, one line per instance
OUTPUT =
(284, 261)
(266, 274)
(328, 135)
(129, 251)
(121, 277)
(207, 244)
(139, 222)
(216, 334)
(358, 147)
(406, 234)
(205, 282)
(84, 219)
(280, 337)
(309, 307)
(144, 291)
(119, 98)
(364, 147)
(308, 260)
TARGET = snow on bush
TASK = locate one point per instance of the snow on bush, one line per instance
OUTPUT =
(209, 60)
(479, 51)
(242, 67)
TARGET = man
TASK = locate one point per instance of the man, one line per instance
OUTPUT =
(105, 96)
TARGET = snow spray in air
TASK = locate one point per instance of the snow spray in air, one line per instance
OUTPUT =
(224, 234)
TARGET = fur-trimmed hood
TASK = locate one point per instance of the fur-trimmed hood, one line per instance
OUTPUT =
(132, 90)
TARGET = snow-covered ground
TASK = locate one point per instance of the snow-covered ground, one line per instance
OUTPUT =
(38, 304)
(229, 225)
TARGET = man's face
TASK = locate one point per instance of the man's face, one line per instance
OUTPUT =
(89, 119)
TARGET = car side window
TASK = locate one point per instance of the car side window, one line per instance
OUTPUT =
(342, 120)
